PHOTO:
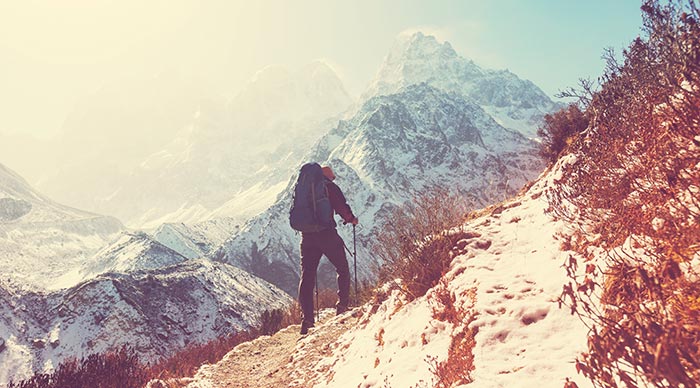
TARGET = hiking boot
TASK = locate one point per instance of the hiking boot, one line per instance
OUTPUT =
(305, 326)
(339, 309)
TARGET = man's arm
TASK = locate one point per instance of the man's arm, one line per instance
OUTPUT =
(339, 203)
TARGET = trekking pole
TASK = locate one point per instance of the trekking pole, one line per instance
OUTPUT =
(354, 259)
(317, 297)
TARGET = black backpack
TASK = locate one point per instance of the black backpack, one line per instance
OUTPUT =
(311, 209)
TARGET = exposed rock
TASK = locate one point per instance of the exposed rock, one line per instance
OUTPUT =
(12, 209)
(38, 343)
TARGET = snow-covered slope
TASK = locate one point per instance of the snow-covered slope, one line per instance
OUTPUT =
(196, 240)
(41, 240)
(501, 291)
(514, 103)
(510, 274)
(157, 312)
(394, 147)
(132, 251)
(15, 357)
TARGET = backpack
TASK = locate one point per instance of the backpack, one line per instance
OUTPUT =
(311, 209)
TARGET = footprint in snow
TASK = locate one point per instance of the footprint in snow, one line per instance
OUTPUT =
(534, 316)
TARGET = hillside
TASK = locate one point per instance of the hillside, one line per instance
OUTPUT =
(395, 147)
(592, 271)
(418, 125)
(503, 286)
(41, 241)
(584, 275)
(157, 312)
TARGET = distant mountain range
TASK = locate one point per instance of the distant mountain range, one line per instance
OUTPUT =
(42, 241)
(420, 125)
(212, 186)
(165, 149)
(75, 283)
(157, 312)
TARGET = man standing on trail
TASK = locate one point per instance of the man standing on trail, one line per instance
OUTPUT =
(316, 198)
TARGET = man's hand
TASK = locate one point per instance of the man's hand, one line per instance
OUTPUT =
(354, 221)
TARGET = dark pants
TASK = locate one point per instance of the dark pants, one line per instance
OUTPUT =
(313, 245)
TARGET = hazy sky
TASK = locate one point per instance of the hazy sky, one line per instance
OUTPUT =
(54, 52)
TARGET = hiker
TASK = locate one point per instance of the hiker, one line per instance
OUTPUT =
(316, 198)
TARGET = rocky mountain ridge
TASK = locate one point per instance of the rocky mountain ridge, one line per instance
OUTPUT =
(395, 147)
(513, 102)
(76, 283)
(430, 117)
(157, 312)
(41, 241)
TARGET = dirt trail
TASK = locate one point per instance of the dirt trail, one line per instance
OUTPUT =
(281, 360)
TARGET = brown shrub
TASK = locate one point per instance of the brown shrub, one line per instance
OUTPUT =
(559, 129)
(635, 191)
(327, 298)
(271, 321)
(365, 293)
(119, 369)
(415, 243)
(456, 370)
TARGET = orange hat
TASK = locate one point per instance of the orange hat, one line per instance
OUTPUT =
(328, 173)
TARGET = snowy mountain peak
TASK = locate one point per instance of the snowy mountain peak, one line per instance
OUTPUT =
(514, 103)
(419, 45)
(416, 58)
(277, 97)
(315, 76)
(293, 84)
(131, 251)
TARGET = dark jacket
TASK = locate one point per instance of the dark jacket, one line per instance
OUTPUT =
(338, 201)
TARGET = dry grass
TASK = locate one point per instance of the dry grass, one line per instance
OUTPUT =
(118, 369)
(414, 244)
(634, 192)
(456, 370)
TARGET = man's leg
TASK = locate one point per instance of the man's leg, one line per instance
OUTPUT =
(310, 257)
(334, 249)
